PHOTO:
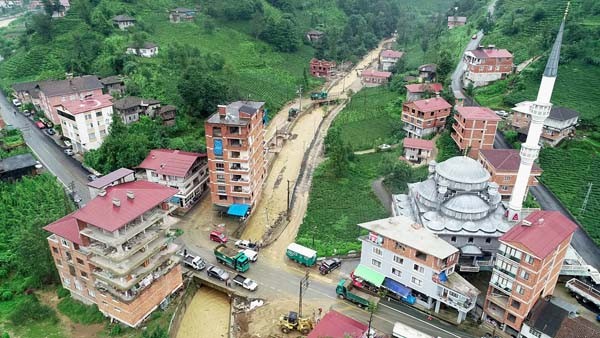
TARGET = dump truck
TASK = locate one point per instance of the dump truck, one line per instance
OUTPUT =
(194, 262)
(245, 282)
(345, 290)
(232, 258)
(301, 254)
(318, 96)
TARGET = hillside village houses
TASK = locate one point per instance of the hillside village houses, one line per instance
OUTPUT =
(418, 91)
(314, 35)
(185, 171)
(114, 85)
(322, 68)
(388, 59)
(182, 14)
(147, 50)
(425, 117)
(372, 77)
(130, 108)
(123, 21)
(86, 122)
(559, 125)
(456, 21)
(484, 65)
(503, 166)
(474, 129)
(417, 150)
(427, 72)
(548, 319)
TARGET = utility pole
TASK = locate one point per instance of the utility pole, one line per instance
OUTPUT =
(585, 200)
(299, 91)
(288, 200)
(303, 286)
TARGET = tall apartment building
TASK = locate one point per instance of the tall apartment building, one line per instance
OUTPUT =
(407, 253)
(474, 129)
(503, 166)
(527, 265)
(86, 122)
(424, 117)
(484, 65)
(185, 171)
(114, 252)
(236, 155)
(53, 93)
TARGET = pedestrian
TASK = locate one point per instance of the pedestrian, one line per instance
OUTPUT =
(15, 112)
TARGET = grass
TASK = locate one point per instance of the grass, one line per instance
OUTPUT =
(446, 146)
(369, 119)
(79, 312)
(34, 329)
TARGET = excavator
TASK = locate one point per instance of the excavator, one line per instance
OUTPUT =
(291, 322)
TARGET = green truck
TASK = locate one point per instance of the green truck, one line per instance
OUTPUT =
(232, 258)
(301, 254)
(318, 96)
(345, 290)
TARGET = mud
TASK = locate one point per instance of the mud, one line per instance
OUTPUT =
(206, 316)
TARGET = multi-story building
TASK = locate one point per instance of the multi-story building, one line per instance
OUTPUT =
(424, 117)
(558, 125)
(485, 65)
(474, 129)
(185, 171)
(419, 91)
(409, 254)
(236, 155)
(527, 266)
(86, 122)
(54, 93)
(322, 68)
(147, 49)
(503, 166)
(130, 108)
(114, 252)
(388, 59)
(417, 150)
(123, 21)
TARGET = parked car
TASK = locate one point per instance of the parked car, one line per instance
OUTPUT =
(26, 112)
(217, 273)
(68, 143)
(329, 265)
(251, 254)
(474, 37)
(92, 177)
(218, 237)
(16, 102)
(50, 131)
(38, 165)
(49, 124)
(40, 125)
(501, 113)
(246, 244)
(384, 147)
(69, 152)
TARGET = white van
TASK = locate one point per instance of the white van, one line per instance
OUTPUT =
(405, 331)
(251, 254)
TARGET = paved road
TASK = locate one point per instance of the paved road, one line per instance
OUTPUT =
(50, 154)
(584, 245)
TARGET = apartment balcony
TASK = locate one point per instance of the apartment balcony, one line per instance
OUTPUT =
(503, 288)
(240, 190)
(412, 129)
(495, 312)
(475, 265)
(457, 292)
(499, 298)
(125, 267)
(240, 179)
(124, 234)
(130, 247)
(238, 167)
(506, 255)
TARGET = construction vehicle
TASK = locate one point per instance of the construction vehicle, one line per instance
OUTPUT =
(345, 290)
(232, 258)
(318, 96)
(291, 322)
(292, 113)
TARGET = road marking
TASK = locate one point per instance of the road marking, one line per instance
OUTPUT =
(420, 320)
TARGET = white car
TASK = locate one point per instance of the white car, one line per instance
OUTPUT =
(251, 254)
(501, 113)
(385, 147)
(16, 102)
(38, 165)
(69, 152)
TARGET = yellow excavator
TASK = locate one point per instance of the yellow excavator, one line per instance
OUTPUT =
(291, 322)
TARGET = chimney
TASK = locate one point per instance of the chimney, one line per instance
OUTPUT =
(222, 110)
(130, 195)
(102, 193)
(116, 202)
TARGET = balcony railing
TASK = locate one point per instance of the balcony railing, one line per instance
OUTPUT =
(499, 299)
(125, 267)
(506, 272)
(129, 248)
(147, 219)
(503, 288)
(238, 168)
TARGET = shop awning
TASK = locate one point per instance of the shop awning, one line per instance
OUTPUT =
(471, 250)
(396, 287)
(369, 275)
(239, 210)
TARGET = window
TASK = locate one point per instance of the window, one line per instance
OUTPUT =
(421, 255)
(220, 166)
(88, 116)
(221, 189)
(376, 263)
(524, 274)
(92, 125)
(72, 270)
(513, 253)
(504, 188)
(91, 293)
(418, 268)
(377, 251)
(520, 290)
(84, 274)
(55, 249)
(506, 178)
(515, 304)
(80, 261)
(488, 240)
(58, 262)
(511, 318)
(535, 332)
(220, 178)
(398, 259)
(64, 243)
(470, 240)
(98, 114)
(396, 272)
(529, 259)
(502, 282)
(222, 197)
(78, 285)
(416, 281)
(453, 239)
(506, 268)
(66, 282)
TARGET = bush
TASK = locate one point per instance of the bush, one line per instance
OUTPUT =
(79, 312)
(62, 292)
(115, 330)
(6, 295)
(30, 309)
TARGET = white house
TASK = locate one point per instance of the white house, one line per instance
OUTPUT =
(388, 59)
(123, 21)
(148, 50)
(86, 122)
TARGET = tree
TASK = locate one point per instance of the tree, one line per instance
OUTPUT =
(42, 26)
(444, 66)
(158, 332)
(338, 152)
(200, 91)
(281, 33)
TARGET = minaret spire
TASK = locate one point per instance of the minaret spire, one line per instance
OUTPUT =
(539, 111)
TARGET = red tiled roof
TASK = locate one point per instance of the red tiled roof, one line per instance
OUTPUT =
(417, 143)
(375, 73)
(89, 104)
(485, 53)
(578, 327)
(505, 160)
(170, 162)
(423, 87)
(548, 229)
(427, 105)
(388, 53)
(336, 325)
(477, 113)
(66, 228)
(102, 213)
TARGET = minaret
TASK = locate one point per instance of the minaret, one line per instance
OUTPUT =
(539, 111)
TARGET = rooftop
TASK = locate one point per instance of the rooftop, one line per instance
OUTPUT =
(417, 143)
(123, 18)
(67, 228)
(24, 86)
(102, 213)
(183, 10)
(389, 53)
(505, 160)
(462, 169)
(578, 327)
(541, 232)
(427, 105)
(232, 112)
(424, 87)
(78, 84)
(111, 79)
(337, 325)
(547, 317)
(170, 162)
(429, 67)
(403, 230)
(147, 45)
(375, 73)
(17, 162)
(314, 32)
(109, 178)
(556, 112)
(485, 53)
(457, 19)
(167, 108)
(88, 104)
(133, 101)
(477, 113)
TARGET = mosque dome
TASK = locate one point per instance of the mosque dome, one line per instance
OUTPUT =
(462, 169)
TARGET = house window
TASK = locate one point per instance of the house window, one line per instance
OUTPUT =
(400, 246)
(67, 282)
(511, 318)
(78, 285)
(221, 189)
(98, 114)
(506, 178)
(376, 263)
(220, 166)
(377, 251)
(453, 239)
(515, 304)
(535, 332)
(504, 188)
(418, 268)
(488, 240)
(55, 249)
(64, 243)
(470, 240)
(520, 290)
(58, 262)
(222, 197)
(220, 178)
(396, 272)
(72, 270)
(84, 274)
(398, 259)
(529, 259)
(421, 255)
(524, 274)
(88, 116)
(80, 261)
(416, 281)
(91, 293)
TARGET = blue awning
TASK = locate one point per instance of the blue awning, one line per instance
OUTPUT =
(218, 147)
(396, 287)
(443, 277)
(239, 210)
